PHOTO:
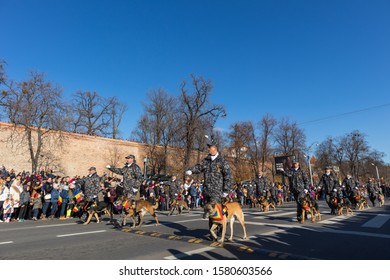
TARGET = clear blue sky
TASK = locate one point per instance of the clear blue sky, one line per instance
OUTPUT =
(306, 60)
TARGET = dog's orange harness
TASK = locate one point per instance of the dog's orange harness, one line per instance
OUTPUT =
(219, 213)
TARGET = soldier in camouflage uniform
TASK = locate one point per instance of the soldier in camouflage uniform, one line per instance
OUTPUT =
(217, 174)
(132, 176)
(90, 184)
(261, 184)
(328, 183)
(298, 182)
(217, 177)
(174, 189)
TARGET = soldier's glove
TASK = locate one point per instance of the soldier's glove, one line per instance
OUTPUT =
(108, 166)
(189, 172)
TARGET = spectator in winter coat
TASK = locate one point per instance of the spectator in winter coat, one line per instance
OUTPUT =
(24, 201)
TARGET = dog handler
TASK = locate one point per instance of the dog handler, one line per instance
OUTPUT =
(299, 182)
(217, 175)
(132, 176)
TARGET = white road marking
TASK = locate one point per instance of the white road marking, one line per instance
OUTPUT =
(6, 242)
(279, 214)
(34, 227)
(189, 253)
(80, 233)
(56, 225)
(334, 220)
(377, 221)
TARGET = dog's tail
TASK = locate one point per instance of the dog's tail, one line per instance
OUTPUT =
(155, 206)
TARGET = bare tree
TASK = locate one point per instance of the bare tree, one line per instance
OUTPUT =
(266, 127)
(355, 147)
(289, 138)
(241, 136)
(34, 107)
(92, 113)
(157, 128)
(194, 107)
(116, 111)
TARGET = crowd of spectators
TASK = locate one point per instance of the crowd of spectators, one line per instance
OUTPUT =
(43, 195)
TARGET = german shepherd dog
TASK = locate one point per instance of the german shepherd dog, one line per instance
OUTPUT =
(264, 204)
(95, 211)
(363, 203)
(337, 205)
(253, 201)
(140, 207)
(309, 206)
(178, 205)
(347, 205)
(217, 217)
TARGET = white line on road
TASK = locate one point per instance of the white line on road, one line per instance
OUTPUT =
(377, 221)
(6, 242)
(81, 233)
(56, 225)
(35, 227)
(189, 253)
(278, 214)
(334, 220)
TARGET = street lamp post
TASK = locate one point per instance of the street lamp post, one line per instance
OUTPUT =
(311, 174)
(308, 159)
(145, 167)
(377, 173)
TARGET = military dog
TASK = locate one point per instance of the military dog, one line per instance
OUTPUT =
(140, 207)
(363, 203)
(264, 204)
(309, 207)
(218, 217)
(381, 199)
(347, 205)
(94, 211)
(178, 205)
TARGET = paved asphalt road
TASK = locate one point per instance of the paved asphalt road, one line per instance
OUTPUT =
(274, 235)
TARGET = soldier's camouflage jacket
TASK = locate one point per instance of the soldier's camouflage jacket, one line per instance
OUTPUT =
(132, 177)
(174, 188)
(328, 183)
(298, 180)
(91, 185)
(261, 185)
(217, 177)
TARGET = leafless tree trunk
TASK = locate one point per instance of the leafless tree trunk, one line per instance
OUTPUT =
(194, 107)
(92, 113)
(116, 111)
(355, 148)
(289, 138)
(157, 127)
(34, 107)
(266, 126)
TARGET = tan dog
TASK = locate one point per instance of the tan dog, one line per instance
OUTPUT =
(381, 200)
(264, 204)
(178, 205)
(233, 211)
(279, 199)
(140, 208)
